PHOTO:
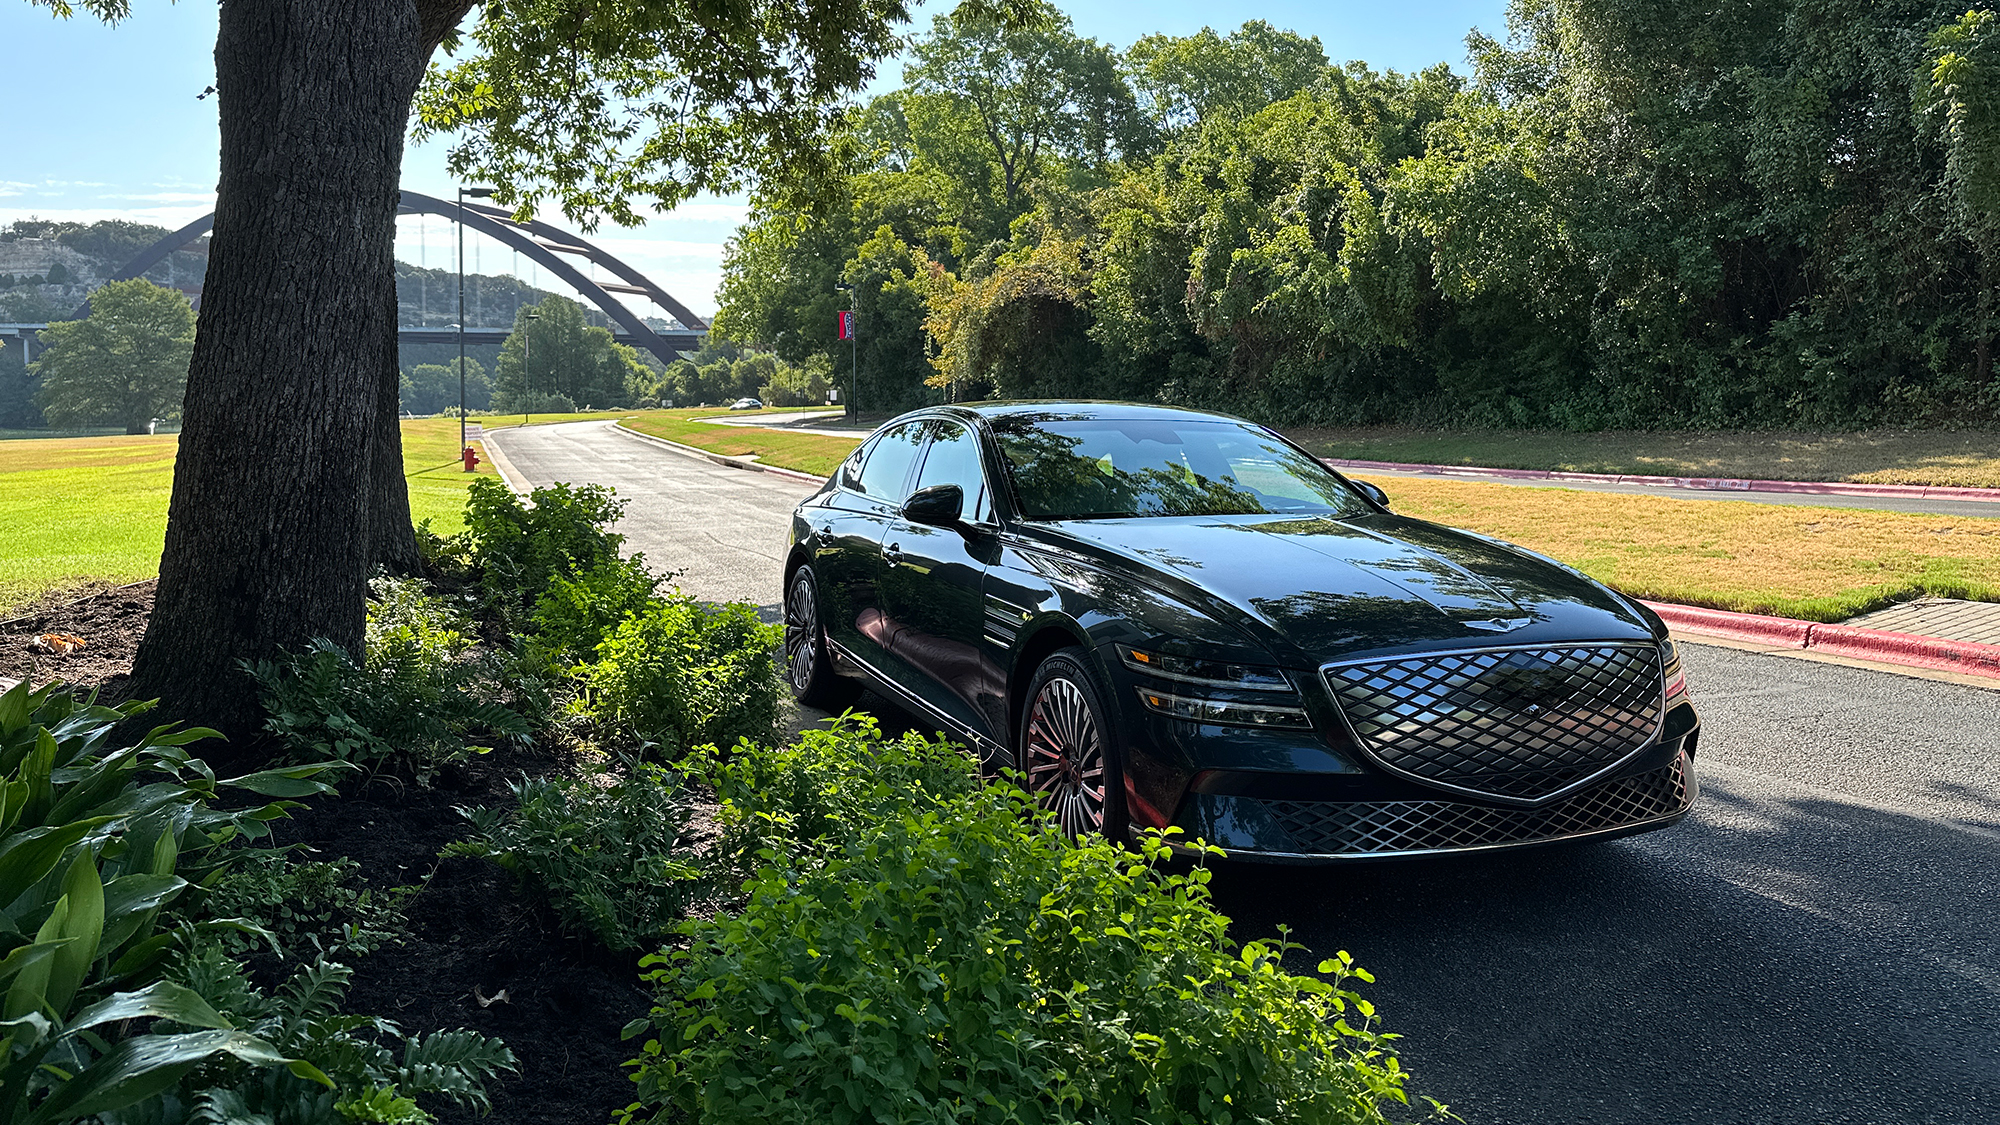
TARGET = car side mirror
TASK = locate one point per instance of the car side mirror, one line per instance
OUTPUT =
(1380, 497)
(939, 505)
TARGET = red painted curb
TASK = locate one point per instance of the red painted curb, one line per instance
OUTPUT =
(1751, 627)
(1963, 657)
(1705, 484)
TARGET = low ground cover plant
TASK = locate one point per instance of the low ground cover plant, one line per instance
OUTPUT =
(611, 854)
(949, 956)
(411, 706)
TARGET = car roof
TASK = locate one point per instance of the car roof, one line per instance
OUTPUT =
(1075, 410)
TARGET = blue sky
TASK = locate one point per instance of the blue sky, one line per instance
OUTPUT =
(105, 122)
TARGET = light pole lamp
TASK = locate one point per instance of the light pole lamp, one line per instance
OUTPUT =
(527, 342)
(475, 193)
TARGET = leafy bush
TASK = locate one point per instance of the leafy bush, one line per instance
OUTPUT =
(94, 843)
(574, 614)
(532, 402)
(517, 549)
(953, 957)
(608, 858)
(410, 709)
(680, 675)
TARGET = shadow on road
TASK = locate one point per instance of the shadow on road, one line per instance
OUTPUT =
(1762, 962)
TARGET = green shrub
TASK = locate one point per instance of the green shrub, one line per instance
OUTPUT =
(952, 957)
(680, 675)
(518, 549)
(410, 709)
(575, 613)
(611, 860)
(94, 843)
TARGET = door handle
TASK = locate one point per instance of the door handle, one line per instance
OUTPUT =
(893, 554)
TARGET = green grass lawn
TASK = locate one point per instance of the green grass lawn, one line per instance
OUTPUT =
(1940, 457)
(83, 512)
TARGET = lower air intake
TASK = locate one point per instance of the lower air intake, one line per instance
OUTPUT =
(1390, 827)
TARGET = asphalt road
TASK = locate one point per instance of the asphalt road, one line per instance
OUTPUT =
(1818, 942)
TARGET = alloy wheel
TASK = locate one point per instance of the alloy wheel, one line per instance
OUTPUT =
(1065, 757)
(801, 632)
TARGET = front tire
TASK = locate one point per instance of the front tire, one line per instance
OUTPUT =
(1069, 748)
(808, 661)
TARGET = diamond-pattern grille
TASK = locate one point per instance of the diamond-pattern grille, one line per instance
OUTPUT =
(1382, 827)
(1509, 723)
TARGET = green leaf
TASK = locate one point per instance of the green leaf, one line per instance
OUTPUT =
(84, 924)
(159, 1000)
(144, 1065)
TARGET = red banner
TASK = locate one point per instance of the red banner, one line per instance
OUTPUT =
(847, 325)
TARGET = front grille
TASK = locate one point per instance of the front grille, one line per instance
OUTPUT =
(1385, 827)
(1517, 724)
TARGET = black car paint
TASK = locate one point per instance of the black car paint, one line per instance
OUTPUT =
(954, 618)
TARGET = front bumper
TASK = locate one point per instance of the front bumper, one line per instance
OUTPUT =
(1652, 795)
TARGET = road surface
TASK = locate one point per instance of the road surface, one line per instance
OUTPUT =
(1818, 942)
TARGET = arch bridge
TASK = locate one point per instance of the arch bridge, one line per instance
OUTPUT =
(550, 247)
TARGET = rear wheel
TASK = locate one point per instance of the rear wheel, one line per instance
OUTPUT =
(1069, 748)
(808, 663)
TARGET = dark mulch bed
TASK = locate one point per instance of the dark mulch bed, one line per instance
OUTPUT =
(567, 1000)
(109, 622)
(472, 927)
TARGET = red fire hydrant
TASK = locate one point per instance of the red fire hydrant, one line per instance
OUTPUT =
(471, 459)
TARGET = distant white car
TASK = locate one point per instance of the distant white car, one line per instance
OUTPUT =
(747, 404)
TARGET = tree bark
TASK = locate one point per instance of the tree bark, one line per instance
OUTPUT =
(269, 531)
(392, 538)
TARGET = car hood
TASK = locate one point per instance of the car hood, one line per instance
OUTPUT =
(1328, 589)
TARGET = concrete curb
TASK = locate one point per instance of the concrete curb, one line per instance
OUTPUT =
(1963, 657)
(749, 463)
(1706, 484)
(509, 476)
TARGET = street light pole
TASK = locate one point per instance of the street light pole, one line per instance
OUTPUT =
(527, 345)
(476, 193)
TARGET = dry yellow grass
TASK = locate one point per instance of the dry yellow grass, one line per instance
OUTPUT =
(1820, 564)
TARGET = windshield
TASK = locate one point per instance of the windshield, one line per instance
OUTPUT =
(1106, 468)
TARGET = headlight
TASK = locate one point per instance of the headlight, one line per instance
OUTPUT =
(1225, 711)
(1677, 684)
(1240, 677)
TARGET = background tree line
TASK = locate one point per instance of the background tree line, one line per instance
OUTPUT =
(1632, 213)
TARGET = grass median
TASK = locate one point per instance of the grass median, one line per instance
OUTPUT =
(803, 450)
(1963, 458)
(1819, 564)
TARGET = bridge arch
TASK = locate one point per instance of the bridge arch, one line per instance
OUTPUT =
(543, 244)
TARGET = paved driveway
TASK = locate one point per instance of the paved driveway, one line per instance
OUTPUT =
(1819, 941)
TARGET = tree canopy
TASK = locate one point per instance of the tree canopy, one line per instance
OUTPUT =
(554, 351)
(1630, 213)
(125, 364)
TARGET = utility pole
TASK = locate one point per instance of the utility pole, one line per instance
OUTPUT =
(851, 328)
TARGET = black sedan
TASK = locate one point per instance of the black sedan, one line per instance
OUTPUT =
(1166, 617)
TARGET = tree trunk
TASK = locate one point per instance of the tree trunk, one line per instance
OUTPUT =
(269, 531)
(392, 539)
